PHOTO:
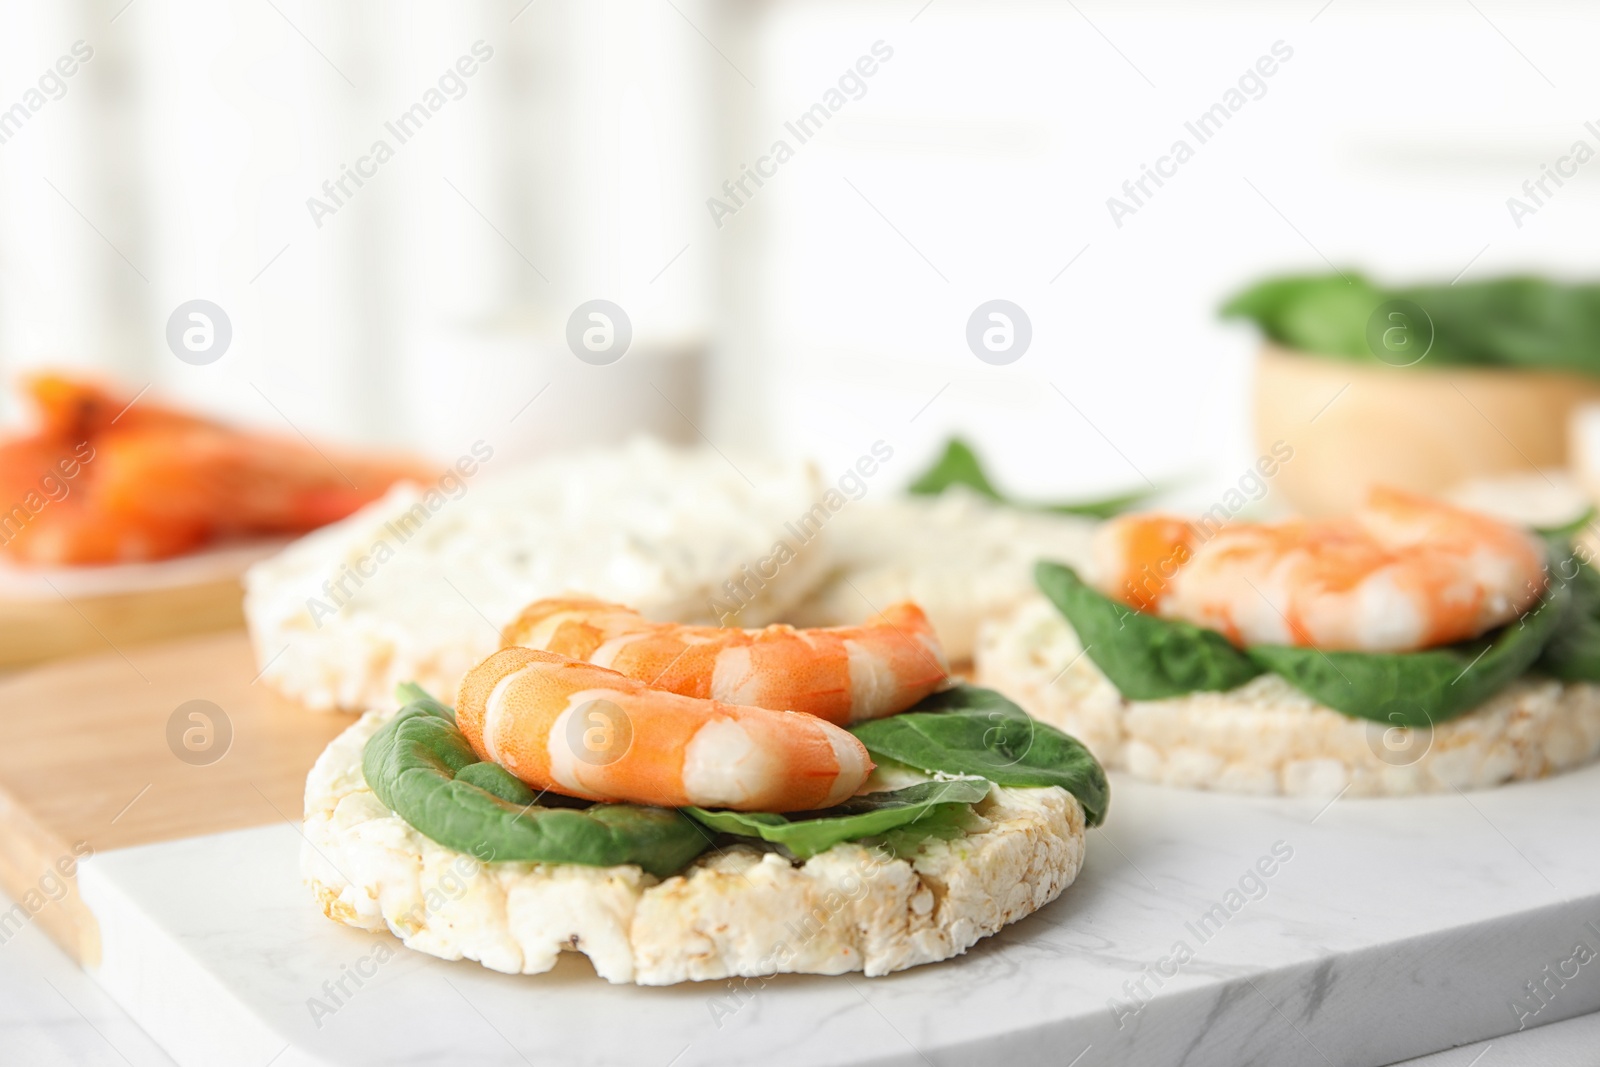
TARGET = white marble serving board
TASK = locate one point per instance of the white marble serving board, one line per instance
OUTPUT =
(1398, 928)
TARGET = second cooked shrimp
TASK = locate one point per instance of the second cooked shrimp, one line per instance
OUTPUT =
(1401, 573)
(843, 674)
(560, 724)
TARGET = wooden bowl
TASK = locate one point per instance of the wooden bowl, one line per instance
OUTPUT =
(1420, 428)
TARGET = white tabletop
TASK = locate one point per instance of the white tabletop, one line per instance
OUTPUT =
(1572, 1043)
(52, 1015)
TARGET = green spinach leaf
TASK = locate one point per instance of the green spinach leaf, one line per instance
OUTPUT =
(1420, 688)
(1573, 653)
(1150, 658)
(959, 465)
(1560, 537)
(1508, 322)
(412, 693)
(493, 778)
(423, 769)
(1145, 656)
(967, 730)
(808, 833)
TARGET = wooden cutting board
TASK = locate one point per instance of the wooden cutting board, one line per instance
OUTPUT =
(35, 631)
(109, 751)
(47, 613)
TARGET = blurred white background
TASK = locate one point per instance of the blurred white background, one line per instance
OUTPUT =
(827, 312)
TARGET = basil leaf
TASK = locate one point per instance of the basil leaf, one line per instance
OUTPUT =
(1420, 688)
(967, 730)
(808, 833)
(959, 465)
(423, 769)
(1506, 322)
(1145, 656)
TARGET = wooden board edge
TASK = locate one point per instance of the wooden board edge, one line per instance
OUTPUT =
(39, 871)
(37, 631)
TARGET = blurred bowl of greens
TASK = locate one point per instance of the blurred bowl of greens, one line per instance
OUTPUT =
(1420, 387)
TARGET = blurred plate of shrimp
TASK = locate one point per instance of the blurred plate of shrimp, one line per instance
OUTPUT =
(124, 519)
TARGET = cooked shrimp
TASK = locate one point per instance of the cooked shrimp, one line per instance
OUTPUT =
(74, 531)
(235, 481)
(75, 409)
(1399, 574)
(111, 479)
(575, 728)
(843, 674)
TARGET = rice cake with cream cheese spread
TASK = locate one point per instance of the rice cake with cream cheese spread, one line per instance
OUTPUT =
(742, 910)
